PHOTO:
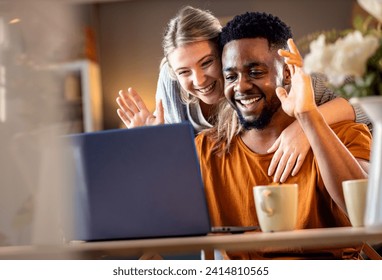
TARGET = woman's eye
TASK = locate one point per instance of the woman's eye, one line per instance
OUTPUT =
(183, 72)
(207, 63)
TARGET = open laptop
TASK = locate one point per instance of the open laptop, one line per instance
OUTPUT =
(138, 183)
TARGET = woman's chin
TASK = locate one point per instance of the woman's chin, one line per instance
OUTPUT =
(211, 99)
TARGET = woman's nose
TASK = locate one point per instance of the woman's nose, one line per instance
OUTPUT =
(199, 78)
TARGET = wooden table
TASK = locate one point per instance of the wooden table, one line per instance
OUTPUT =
(252, 240)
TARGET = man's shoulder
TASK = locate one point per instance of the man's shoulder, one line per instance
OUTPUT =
(352, 132)
(207, 143)
(205, 138)
(347, 127)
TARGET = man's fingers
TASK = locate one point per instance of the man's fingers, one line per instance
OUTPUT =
(281, 93)
(293, 48)
(293, 56)
(294, 61)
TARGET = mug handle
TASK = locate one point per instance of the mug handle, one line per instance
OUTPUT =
(263, 203)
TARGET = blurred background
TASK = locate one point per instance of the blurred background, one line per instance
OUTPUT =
(62, 63)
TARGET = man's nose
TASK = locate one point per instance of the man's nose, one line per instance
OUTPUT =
(242, 84)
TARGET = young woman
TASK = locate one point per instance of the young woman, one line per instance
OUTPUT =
(191, 85)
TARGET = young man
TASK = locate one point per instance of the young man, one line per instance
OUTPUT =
(264, 95)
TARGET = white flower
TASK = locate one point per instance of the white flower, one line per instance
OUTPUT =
(373, 7)
(346, 57)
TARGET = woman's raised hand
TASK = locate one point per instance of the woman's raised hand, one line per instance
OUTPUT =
(133, 111)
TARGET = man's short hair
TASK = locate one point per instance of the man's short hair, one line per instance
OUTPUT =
(256, 25)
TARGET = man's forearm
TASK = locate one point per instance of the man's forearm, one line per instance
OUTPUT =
(335, 161)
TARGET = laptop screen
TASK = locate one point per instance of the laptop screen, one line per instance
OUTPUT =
(138, 183)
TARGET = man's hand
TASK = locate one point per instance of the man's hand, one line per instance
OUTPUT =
(300, 98)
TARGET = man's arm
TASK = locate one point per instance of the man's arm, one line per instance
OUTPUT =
(335, 161)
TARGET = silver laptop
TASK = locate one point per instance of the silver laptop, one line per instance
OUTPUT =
(138, 183)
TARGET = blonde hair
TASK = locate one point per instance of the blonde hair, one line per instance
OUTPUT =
(227, 127)
(190, 25)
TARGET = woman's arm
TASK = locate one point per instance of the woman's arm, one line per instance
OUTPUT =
(323, 94)
(292, 146)
(337, 110)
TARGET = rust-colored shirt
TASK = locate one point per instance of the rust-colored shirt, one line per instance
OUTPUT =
(229, 180)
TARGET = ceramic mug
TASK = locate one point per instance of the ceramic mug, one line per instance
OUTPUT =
(276, 206)
(355, 200)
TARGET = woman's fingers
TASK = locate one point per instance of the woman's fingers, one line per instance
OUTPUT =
(127, 103)
(275, 146)
(124, 108)
(288, 167)
(160, 112)
(280, 168)
(276, 157)
(299, 161)
(123, 117)
(140, 105)
(284, 167)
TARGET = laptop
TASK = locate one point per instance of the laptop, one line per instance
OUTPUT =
(138, 183)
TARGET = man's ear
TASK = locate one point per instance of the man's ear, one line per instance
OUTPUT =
(287, 75)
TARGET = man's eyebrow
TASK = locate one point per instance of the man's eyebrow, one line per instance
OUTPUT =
(246, 65)
(254, 64)
(227, 69)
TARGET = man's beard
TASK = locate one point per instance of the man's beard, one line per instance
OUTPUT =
(265, 116)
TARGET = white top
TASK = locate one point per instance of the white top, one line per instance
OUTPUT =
(195, 116)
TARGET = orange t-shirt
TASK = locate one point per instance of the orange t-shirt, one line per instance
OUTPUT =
(229, 180)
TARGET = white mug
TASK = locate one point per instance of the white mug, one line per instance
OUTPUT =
(355, 199)
(276, 206)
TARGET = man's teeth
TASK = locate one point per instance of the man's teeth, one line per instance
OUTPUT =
(207, 89)
(249, 101)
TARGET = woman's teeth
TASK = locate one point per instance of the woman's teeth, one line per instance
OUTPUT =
(249, 101)
(207, 89)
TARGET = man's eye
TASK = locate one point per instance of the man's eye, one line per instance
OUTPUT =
(256, 73)
(230, 78)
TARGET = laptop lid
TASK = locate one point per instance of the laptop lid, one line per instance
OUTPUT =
(138, 183)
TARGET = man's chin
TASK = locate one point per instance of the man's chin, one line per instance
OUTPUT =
(246, 123)
(249, 123)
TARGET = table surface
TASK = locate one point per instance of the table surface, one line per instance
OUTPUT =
(306, 238)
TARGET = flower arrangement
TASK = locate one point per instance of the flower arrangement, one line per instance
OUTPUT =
(353, 62)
